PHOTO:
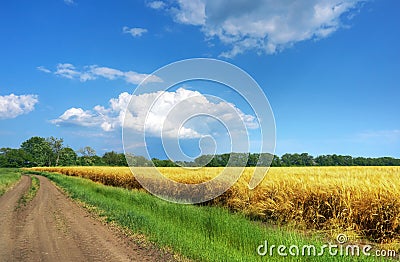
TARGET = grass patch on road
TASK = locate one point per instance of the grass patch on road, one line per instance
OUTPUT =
(199, 233)
(8, 177)
(28, 196)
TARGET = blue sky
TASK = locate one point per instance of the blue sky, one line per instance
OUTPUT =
(330, 68)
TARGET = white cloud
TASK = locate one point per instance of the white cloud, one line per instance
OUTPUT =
(190, 12)
(136, 78)
(135, 31)
(105, 72)
(69, 2)
(93, 72)
(267, 26)
(86, 76)
(43, 69)
(156, 4)
(77, 116)
(66, 70)
(167, 114)
(107, 119)
(12, 105)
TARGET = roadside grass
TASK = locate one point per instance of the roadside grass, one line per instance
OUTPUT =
(31, 193)
(200, 233)
(8, 177)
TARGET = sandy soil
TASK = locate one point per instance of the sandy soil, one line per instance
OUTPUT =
(54, 228)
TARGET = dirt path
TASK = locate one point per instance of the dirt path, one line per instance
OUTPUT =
(53, 228)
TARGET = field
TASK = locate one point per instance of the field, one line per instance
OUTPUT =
(363, 202)
(8, 178)
(197, 233)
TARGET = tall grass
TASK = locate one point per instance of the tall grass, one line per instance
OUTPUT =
(8, 177)
(365, 200)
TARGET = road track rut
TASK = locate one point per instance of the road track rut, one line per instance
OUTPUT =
(51, 227)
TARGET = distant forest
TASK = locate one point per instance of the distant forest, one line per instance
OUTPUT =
(39, 151)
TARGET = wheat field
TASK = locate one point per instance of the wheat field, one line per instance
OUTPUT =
(363, 200)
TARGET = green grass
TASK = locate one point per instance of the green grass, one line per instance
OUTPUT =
(196, 232)
(28, 196)
(8, 177)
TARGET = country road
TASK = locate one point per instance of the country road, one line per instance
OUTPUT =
(53, 228)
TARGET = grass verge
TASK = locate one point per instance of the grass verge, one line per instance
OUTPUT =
(199, 233)
(8, 177)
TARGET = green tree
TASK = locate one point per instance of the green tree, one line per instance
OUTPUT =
(276, 161)
(56, 145)
(39, 150)
(10, 157)
(87, 151)
(306, 160)
(133, 160)
(163, 163)
(67, 157)
(114, 159)
(253, 159)
(88, 157)
(266, 159)
(203, 160)
(287, 160)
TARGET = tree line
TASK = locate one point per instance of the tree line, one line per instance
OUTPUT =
(39, 151)
(51, 151)
(288, 160)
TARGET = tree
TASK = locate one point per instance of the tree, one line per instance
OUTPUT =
(267, 159)
(56, 145)
(237, 159)
(276, 161)
(253, 159)
(203, 160)
(133, 160)
(287, 160)
(114, 159)
(306, 160)
(10, 157)
(163, 163)
(67, 157)
(88, 157)
(39, 150)
(87, 151)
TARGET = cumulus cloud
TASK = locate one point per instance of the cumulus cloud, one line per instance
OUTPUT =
(135, 31)
(190, 12)
(267, 26)
(162, 113)
(12, 105)
(93, 72)
(69, 2)
(77, 116)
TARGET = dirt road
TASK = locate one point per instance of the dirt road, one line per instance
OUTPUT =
(53, 228)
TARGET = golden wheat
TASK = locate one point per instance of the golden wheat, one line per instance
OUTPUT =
(365, 200)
